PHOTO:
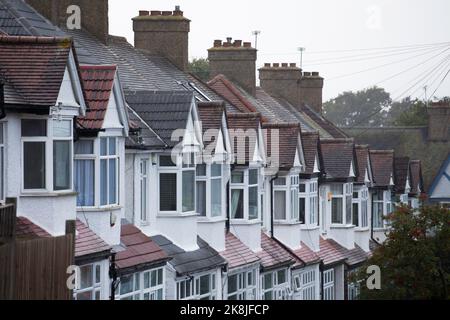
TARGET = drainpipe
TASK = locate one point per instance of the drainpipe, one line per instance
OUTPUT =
(371, 221)
(321, 269)
(113, 276)
(272, 233)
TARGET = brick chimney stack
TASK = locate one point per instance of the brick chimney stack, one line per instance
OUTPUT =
(94, 14)
(235, 60)
(439, 121)
(163, 33)
(287, 81)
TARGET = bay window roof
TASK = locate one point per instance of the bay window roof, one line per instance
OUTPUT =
(189, 262)
(89, 244)
(25, 229)
(237, 253)
(364, 165)
(338, 167)
(401, 174)
(383, 167)
(311, 149)
(306, 255)
(333, 253)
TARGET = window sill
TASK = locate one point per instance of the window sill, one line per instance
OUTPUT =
(286, 223)
(202, 219)
(359, 229)
(39, 194)
(310, 227)
(380, 229)
(99, 209)
(245, 222)
(342, 226)
(177, 215)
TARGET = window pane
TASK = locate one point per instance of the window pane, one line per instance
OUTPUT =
(143, 199)
(61, 165)
(204, 285)
(336, 210)
(294, 204)
(104, 182)
(84, 182)
(237, 177)
(34, 128)
(112, 146)
(160, 277)
(302, 187)
(268, 281)
(34, 165)
(154, 278)
(146, 280)
(97, 274)
(216, 197)
(62, 129)
(126, 284)
(104, 146)
(280, 205)
(84, 147)
(281, 277)
(253, 203)
(201, 198)
(1, 133)
(253, 176)
(86, 277)
(112, 181)
(168, 192)
(355, 214)
(2, 177)
(337, 189)
(237, 201)
(201, 170)
(216, 170)
(280, 182)
(348, 208)
(166, 161)
(188, 191)
(302, 209)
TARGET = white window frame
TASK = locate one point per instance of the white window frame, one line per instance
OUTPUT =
(90, 157)
(305, 283)
(96, 287)
(108, 157)
(178, 170)
(245, 187)
(49, 168)
(363, 207)
(208, 179)
(329, 292)
(2, 162)
(278, 290)
(245, 290)
(194, 283)
(311, 197)
(347, 191)
(140, 292)
(144, 170)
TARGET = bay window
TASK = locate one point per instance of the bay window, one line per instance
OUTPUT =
(109, 161)
(341, 202)
(43, 140)
(286, 199)
(201, 189)
(378, 204)
(242, 286)
(143, 177)
(147, 285)
(244, 202)
(90, 282)
(197, 288)
(360, 208)
(308, 202)
(209, 186)
(275, 285)
(294, 198)
(85, 173)
(216, 190)
(328, 285)
(305, 283)
(2, 163)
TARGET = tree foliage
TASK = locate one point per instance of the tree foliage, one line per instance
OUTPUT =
(409, 113)
(200, 68)
(415, 258)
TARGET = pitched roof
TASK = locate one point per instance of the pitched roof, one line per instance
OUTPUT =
(34, 67)
(363, 159)
(401, 173)
(248, 123)
(88, 243)
(409, 142)
(140, 251)
(283, 138)
(323, 122)
(187, 263)
(162, 111)
(211, 114)
(338, 155)
(382, 166)
(273, 255)
(98, 84)
(416, 177)
(311, 150)
(332, 252)
(307, 255)
(25, 229)
(236, 253)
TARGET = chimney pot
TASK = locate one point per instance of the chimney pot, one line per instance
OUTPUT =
(307, 74)
(276, 65)
(177, 8)
(167, 13)
(266, 65)
(229, 40)
(284, 65)
(155, 13)
(217, 43)
(315, 74)
(238, 43)
(293, 65)
(247, 44)
(143, 13)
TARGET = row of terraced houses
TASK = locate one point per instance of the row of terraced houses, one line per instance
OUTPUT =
(182, 189)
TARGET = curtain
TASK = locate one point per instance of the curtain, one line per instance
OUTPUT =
(280, 205)
(237, 211)
(84, 182)
(216, 197)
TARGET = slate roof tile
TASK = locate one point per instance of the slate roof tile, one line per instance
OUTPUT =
(239, 124)
(363, 159)
(337, 155)
(311, 150)
(283, 138)
(401, 173)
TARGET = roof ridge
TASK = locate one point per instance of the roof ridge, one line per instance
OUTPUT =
(34, 39)
(98, 67)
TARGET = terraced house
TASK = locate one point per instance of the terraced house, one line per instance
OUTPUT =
(180, 189)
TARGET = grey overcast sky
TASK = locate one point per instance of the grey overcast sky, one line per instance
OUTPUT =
(339, 26)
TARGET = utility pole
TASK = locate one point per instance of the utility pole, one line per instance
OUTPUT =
(256, 33)
(301, 49)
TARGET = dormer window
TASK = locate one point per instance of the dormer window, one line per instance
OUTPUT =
(244, 194)
(43, 140)
(341, 203)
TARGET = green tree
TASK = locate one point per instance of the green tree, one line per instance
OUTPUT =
(367, 107)
(409, 113)
(200, 68)
(415, 259)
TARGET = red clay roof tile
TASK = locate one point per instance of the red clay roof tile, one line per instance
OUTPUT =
(236, 253)
(87, 242)
(273, 254)
(27, 229)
